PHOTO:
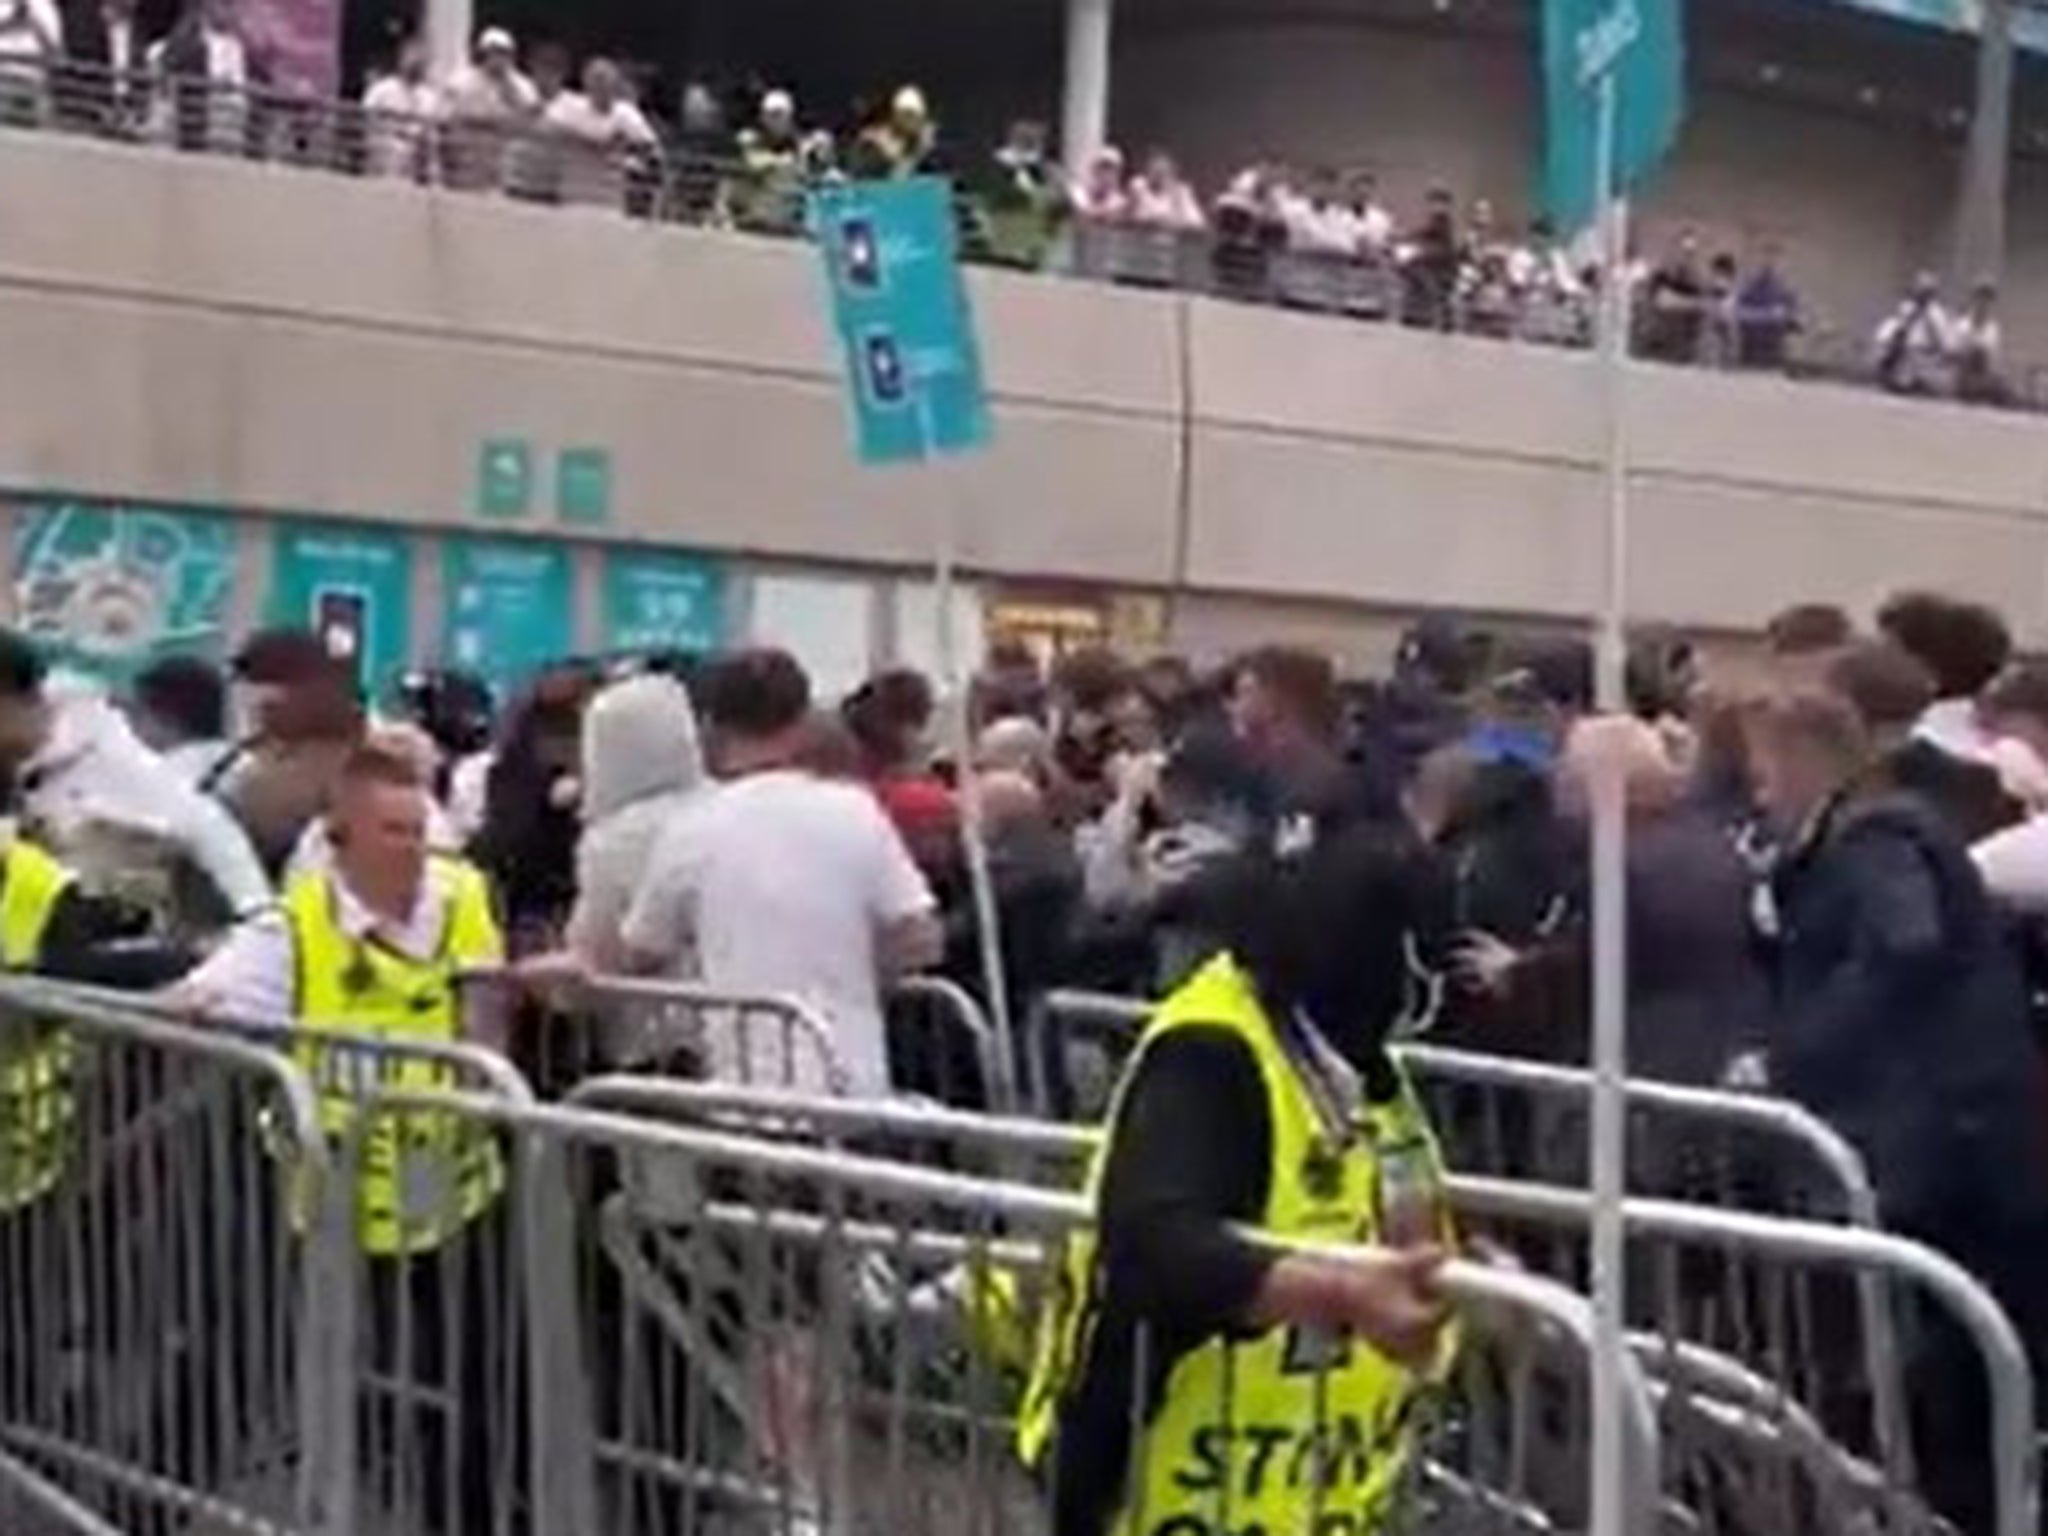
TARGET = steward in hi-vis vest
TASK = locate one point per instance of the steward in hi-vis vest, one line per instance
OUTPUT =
(362, 958)
(1193, 1377)
(36, 1058)
(422, 1176)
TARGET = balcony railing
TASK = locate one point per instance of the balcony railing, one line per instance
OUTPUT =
(1240, 257)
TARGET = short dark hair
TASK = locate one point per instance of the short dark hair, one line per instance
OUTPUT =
(886, 710)
(1557, 671)
(1805, 629)
(1885, 683)
(23, 671)
(1304, 681)
(285, 656)
(1091, 678)
(188, 694)
(1963, 644)
(756, 693)
(2021, 689)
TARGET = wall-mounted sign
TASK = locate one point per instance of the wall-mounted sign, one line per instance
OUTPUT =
(353, 585)
(583, 487)
(108, 589)
(504, 477)
(507, 607)
(663, 600)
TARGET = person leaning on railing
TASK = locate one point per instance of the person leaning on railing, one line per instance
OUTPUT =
(777, 159)
(373, 947)
(1022, 198)
(31, 44)
(1187, 1372)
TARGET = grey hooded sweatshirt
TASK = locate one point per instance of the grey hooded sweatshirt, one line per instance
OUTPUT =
(641, 764)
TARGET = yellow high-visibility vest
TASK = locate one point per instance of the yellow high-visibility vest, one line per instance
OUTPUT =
(422, 1176)
(38, 1103)
(1289, 1432)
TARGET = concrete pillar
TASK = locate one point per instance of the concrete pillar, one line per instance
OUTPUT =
(1084, 120)
(450, 30)
(1980, 204)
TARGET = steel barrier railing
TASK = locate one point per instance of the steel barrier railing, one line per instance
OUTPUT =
(765, 195)
(819, 1355)
(163, 1330)
(366, 1345)
(1756, 1286)
(1108, 1026)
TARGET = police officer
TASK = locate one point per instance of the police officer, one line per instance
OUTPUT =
(373, 946)
(1191, 1379)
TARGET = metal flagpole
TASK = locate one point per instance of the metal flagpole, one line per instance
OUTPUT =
(973, 835)
(1609, 1150)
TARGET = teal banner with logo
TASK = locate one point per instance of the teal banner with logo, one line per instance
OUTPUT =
(663, 600)
(352, 584)
(913, 367)
(108, 589)
(2029, 27)
(507, 607)
(1638, 45)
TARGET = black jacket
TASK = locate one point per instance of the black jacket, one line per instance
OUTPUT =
(1899, 1011)
(1969, 796)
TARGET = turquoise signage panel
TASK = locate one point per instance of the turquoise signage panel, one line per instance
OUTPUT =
(352, 584)
(906, 333)
(507, 607)
(663, 600)
(504, 477)
(583, 486)
(107, 589)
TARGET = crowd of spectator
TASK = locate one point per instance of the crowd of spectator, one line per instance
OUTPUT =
(538, 126)
(1836, 882)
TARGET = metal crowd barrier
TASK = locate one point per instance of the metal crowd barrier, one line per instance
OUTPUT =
(30, 1502)
(1525, 1119)
(575, 1030)
(161, 1324)
(1772, 1344)
(790, 1313)
(1783, 1319)
(822, 1340)
(943, 1046)
(941, 1043)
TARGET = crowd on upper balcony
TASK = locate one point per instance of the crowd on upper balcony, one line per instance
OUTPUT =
(538, 126)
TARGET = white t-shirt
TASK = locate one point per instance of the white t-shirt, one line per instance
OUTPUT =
(402, 114)
(1173, 206)
(786, 882)
(617, 126)
(1325, 229)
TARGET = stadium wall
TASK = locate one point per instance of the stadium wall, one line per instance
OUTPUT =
(1461, 109)
(225, 335)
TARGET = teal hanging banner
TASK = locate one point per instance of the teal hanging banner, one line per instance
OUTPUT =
(663, 600)
(507, 608)
(106, 590)
(1638, 46)
(913, 367)
(352, 585)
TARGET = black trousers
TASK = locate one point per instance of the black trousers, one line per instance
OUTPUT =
(443, 1414)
